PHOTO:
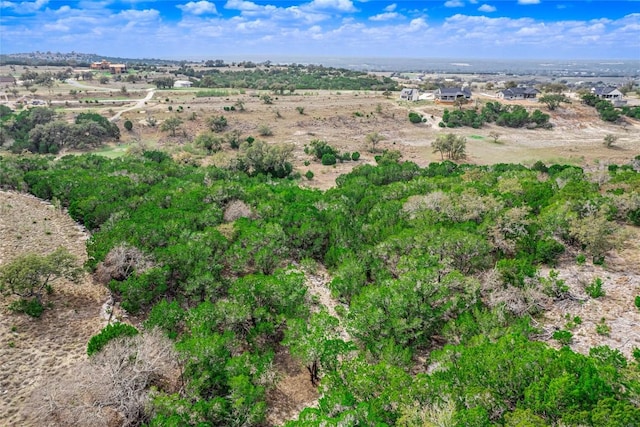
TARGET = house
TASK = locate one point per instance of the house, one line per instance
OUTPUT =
(117, 68)
(7, 80)
(451, 94)
(182, 83)
(408, 94)
(102, 65)
(609, 93)
(106, 65)
(518, 93)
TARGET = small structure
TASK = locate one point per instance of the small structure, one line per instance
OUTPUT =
(518, 93)
(7, 80)
(609, 93)
(451, 94)
(106, 65)
(182, 83)
(408, 94)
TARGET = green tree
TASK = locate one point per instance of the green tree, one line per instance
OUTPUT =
(316, 343)
(451, 145)
(374, 138)
(30, 275)
(171, 125)
(553, 100)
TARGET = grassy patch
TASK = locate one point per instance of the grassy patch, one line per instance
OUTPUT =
(476, 137)
(217, 93)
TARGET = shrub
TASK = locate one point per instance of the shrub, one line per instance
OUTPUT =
(637, 302)
(128, 125)
(108, 333)
(581, 259)
(594, 289)
(355, 156)
(602, 328)
(264, 130)
(563, 337)
(415, 117)
(328, 159)
(30, 307)
(300, 110)
(309, 175)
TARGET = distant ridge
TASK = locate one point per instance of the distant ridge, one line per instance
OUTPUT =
(72, 59)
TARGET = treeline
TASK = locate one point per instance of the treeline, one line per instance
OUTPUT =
(443, 261)
(514, 116)
(40, 130)
(290, 78)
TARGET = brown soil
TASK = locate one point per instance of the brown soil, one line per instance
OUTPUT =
(32, 350)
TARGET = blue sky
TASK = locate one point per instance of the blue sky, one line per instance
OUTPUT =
(517, 29)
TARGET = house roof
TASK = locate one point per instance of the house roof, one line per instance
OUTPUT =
(515, 91)
(603, 90)
(454, 91)
(408, 91)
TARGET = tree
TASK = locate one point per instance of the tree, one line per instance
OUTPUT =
(209, 141)
(30, 275)
(373, 138)
(494, 135)
(171, 125)
(554, 100)
(451, 145)
(316, 343)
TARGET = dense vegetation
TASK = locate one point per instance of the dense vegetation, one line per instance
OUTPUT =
(39, 130)
(514, 116)
(289, 79)
(440, 261)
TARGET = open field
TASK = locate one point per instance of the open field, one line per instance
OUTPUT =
(343, 119)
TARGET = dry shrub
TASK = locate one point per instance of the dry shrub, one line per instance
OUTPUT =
(237, 209)
(121, 262)
(112, 387)
(529, 299)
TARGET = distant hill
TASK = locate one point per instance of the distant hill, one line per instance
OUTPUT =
(73, 59)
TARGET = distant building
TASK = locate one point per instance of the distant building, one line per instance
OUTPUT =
(7, 80)
(182, 83)
(518, 93)
(609, 93)
(408, 94)
(451, 94)
(106, 65)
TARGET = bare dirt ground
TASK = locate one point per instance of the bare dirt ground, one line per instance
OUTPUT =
(621, 282)
(32, 350)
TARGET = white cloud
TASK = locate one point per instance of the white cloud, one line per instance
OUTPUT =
(384, 16)
(487, 8)
(24, 7)
(528, 1)
(198, 8)
(140, 15)
(391, 7)
(454, 3)
(341, 5)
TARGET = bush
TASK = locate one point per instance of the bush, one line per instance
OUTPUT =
(128, 125)
(30, 307)
(594, 289)
(637, 302)
(264, 130)
(415, 117)
(563, 337)
(309, 175)
(355, 156)
(108, 333)
(328, 159)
